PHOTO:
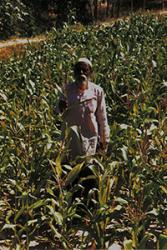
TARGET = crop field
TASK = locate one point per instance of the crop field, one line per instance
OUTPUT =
(44, 201)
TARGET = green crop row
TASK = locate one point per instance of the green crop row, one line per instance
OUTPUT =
(45, 201)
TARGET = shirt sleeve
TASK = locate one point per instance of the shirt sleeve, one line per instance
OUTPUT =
(62, 104)
(101, 116)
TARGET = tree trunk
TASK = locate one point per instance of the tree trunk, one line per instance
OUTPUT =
(95, 2)
(132, 6)
(108, 7)
(118, 8)
(112, 10)
(62, 12)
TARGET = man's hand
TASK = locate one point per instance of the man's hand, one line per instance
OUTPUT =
(62, 105)
(102, 147)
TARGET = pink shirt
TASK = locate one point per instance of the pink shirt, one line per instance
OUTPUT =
(87, 110)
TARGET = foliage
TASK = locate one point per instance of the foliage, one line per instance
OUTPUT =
(12, 14)
(123, 196)
(27, 18)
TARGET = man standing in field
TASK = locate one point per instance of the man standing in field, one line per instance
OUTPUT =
(83, 107)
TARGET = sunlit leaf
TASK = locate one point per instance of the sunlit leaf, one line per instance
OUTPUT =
(128, 245)
(73, 174)
(163, 241)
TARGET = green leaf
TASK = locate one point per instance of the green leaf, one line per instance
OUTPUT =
(3, 96)
(128, 245)
(57, 216)
(32, 222)
(32, 84)
(36, 204)
(121, 201)
(162, 242)
(8, 226)
(54, 230)
(143, 242)
(14, 183)
(153, 212)
(58, 165)
(50, 191)
(124, 153)
(19, 213)
(73, 174)
(75, 130)
(164, 189)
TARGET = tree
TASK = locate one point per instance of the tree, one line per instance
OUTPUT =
(84, 13)
(63, 9)
(12, 17)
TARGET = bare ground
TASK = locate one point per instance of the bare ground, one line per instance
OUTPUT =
(17, 46)
(16, 41)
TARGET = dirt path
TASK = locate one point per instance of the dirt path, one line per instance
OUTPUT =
(8, 43)
(17, 46)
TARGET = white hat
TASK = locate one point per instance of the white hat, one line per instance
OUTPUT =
(85, 60)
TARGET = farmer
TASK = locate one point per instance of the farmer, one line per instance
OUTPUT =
(83, 107)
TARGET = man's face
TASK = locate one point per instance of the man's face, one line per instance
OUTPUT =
(81, 75)
(82, 82)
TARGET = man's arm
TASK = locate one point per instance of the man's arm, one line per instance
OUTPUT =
(62, 105)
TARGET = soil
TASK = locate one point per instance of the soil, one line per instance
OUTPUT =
(17, 46)
(17, 41)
